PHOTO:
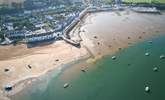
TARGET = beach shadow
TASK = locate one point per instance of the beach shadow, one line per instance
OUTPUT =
(40, 43)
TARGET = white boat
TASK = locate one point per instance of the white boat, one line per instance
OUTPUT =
(66, 85)
(147, 54)
(147, 89)
(114, 57)
(162, 57)
(155, 69)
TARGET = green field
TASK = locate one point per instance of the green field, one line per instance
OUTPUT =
(145, 1)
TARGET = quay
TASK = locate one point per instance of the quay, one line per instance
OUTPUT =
(66, 37)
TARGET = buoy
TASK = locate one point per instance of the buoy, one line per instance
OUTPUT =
(66, 85)
(147, 54)
(147, 89)
(155, 69)
(114, 57)
(162, 57)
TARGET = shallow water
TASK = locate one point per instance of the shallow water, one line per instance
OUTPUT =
(122, 79)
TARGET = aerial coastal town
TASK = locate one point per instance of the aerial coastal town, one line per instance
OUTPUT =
(40, 38)
(39, 23)
(36, 20)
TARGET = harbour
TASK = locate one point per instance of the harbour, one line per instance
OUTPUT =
(99, 53)
(108, 79)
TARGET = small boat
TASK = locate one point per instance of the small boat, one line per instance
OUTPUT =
(150, 42)
(147, 54)
(83, 70)
(147, 89)
(8, 87)
(29, 66)
(114, 57)
(155, 69)
(6, 69)
(66, 85)
(162, 57)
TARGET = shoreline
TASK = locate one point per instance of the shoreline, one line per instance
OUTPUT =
(104, 44)
(83, 62)
(87, 20)
(20, 83)
(88, 60)
(27, 80)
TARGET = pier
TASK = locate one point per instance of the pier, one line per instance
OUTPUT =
(72, 42)
(77, 20)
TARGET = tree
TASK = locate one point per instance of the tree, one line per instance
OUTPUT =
(154, 1)
(1, 35)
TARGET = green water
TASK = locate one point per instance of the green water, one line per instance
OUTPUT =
(122, 79)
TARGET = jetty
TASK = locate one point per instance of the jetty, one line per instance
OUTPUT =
(72, 42)
(66, 37)
(93, 9)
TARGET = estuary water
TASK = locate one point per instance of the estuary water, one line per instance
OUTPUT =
(122, 79)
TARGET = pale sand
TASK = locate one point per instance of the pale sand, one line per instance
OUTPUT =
(112, 30)
(41, 59)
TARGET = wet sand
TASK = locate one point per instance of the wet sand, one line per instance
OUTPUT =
(28, 64)
(108, 32)
(101, 33)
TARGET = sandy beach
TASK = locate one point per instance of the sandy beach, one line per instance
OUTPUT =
(28, 64)
(101, 33)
